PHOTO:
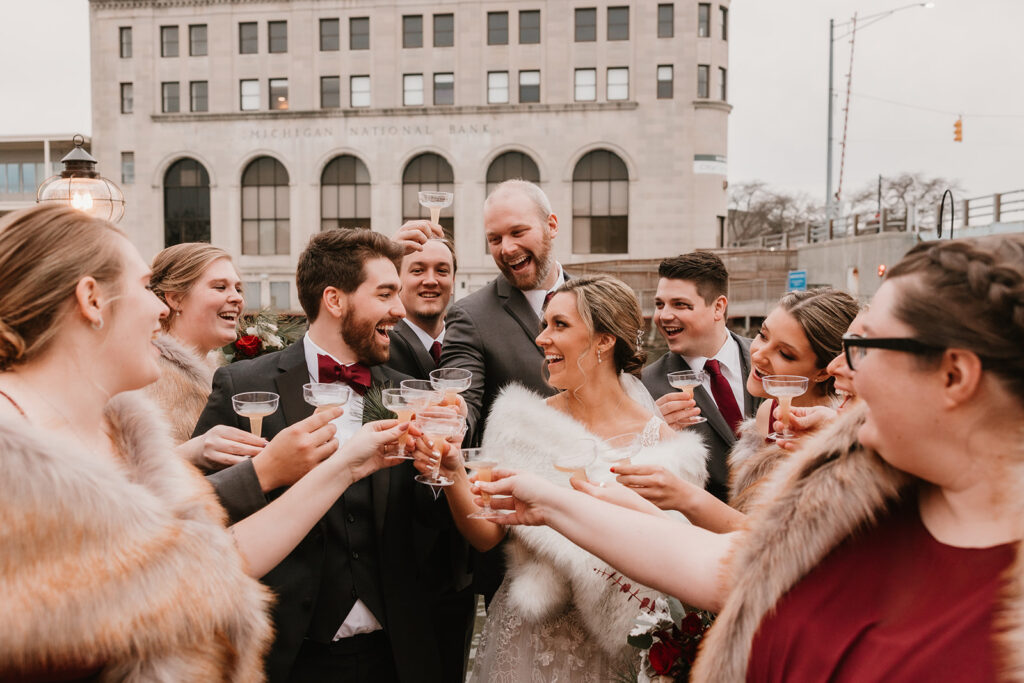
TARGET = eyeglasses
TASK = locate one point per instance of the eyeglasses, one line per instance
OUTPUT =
(855, 346)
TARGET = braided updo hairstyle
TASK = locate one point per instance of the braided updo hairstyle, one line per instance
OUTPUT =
(608, 306)
(968, 294)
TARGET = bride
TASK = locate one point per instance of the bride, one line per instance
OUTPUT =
(556, 616)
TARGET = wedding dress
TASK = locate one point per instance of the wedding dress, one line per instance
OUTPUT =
(558, 615)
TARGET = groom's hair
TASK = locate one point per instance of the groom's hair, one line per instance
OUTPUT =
(336, 258)
(704, 269)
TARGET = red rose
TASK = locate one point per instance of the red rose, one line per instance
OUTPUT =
(663, 655)
(248, 346)
(691, 625)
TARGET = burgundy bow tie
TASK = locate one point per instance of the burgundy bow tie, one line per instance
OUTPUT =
(355, 375)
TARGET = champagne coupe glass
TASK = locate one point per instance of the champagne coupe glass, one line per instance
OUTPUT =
(438, 430)
(324, 395)
(395, 402)
(576, 460)
(452, 381)
(686, 381)
(483, 461)
(435, 201)
(622, 448)
(255, 405)
(420, 393)
(785, 388)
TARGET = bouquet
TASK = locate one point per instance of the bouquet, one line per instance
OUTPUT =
(668, 637)
(263, 332)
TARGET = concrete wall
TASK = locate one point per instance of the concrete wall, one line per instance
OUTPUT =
(852, 263)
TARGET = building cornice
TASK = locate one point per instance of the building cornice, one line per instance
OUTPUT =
(712, 104)
(162, 4)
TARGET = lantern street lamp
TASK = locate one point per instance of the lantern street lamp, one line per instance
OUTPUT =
(80, 186)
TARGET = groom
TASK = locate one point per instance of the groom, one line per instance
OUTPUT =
(350, 596)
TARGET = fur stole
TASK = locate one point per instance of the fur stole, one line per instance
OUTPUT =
(125, 566)
(185, 383)
(751, 460)
(546, 571)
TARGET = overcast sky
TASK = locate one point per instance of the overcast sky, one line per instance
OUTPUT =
(913, 72)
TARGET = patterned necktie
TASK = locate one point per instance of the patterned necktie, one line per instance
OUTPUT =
(355, 375)
(435, 352)
(724, 398)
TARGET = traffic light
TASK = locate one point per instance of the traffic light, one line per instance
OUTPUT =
(958, 130)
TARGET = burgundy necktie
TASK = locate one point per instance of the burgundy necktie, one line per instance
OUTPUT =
(435, 352)
(724, 398)
(547, 297)
(355, 375)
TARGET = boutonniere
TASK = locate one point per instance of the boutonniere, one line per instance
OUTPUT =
(373, 404)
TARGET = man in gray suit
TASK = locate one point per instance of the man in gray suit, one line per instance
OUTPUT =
(690, 312)
(491, 332)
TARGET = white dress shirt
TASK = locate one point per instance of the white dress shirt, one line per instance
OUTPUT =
(425, 337)
(535, 297)
(360, 619)
(728, 358)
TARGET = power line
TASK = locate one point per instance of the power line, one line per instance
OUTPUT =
(938, 111)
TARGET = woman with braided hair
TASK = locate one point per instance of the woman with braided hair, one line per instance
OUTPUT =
(888, 546)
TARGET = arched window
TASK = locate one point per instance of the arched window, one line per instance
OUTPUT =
(265, 228)
(345, 194)
(427, 172)
(600, 204)
(511, 165)
(186, 203)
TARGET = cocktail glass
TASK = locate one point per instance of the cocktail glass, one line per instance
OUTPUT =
(686, 381)
(437, 430)
(395, 402)
(482, 462)
(452, 381)
(622, 448)
(420, 393)
(435, 201)
(576, 460)
(255, 405)
(785, 388)
(324, 395)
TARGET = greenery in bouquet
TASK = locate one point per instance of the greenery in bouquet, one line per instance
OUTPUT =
(264, 332)
(668, 637)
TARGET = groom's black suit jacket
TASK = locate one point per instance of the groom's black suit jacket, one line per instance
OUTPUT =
(397, 502)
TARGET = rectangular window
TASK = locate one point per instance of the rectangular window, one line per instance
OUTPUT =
(618, 23)
(168, 41)
(279, 93)
(170, 98)
(586, 24)
(280, 297)
(665, 82)
(618, 84)
(497, 28)
(197, 40)
(330, 92)
(723, 15)
(703, 20)
(666, 20)
(586, 85)
(529, 26)
(412, 90)
(721, 84)
(127, 98)
(702, 80)
(330, 35)
(125, 39)
(444, 88)
(412, 30)
(248, 40)
(359, 91)
(198, 96)
(497, 87)
(127, 168)
(249, 95)
(529, 86)
(277, 36)
(359, 33)
(444, 30)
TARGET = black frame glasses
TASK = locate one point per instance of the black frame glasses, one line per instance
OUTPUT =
(904, 344)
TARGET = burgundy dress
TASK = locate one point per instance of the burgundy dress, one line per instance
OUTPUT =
(889, 604)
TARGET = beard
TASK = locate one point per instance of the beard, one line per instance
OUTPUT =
(541, 262)
(360, 335)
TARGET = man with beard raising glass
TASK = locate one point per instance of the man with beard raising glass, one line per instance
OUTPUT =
(349, 597)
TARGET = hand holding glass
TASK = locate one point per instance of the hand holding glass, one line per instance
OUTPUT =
(435, 201)
(255, 405)
(785, 388)
(395, 402)
(482, 461)
(437, 431)
(686, 381)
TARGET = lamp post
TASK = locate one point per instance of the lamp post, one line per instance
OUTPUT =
(80, 186)
(832, 38)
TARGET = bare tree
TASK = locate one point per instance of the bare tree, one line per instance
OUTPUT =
(756, 210)
(902, 191)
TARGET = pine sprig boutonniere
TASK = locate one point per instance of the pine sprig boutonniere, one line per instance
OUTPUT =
(373, 404)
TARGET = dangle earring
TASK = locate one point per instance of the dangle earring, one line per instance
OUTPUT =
(599, 355)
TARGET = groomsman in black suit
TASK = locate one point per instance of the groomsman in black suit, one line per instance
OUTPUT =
(351, 597)
(427, 274)
(690, 313)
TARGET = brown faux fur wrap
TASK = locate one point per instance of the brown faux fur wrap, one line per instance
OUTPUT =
(185, 383)
(751, 460)
(812, 502)
(126, 566)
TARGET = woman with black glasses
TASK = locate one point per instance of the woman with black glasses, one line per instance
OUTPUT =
(888, 547)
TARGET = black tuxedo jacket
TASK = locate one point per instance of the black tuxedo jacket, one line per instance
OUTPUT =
(408, 354)
(716, 432)
(397, 501)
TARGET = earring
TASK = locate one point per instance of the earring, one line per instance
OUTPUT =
(99, 326)
(599, 355)
(178, 313)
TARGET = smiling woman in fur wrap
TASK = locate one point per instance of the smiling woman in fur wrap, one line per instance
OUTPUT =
(555, 616)
(888, 547)
(114, 561)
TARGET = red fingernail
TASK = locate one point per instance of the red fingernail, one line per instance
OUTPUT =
(612, 469)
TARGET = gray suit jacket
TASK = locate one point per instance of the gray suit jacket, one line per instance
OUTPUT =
(716, 432)
(491, 332)
(408, 355)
